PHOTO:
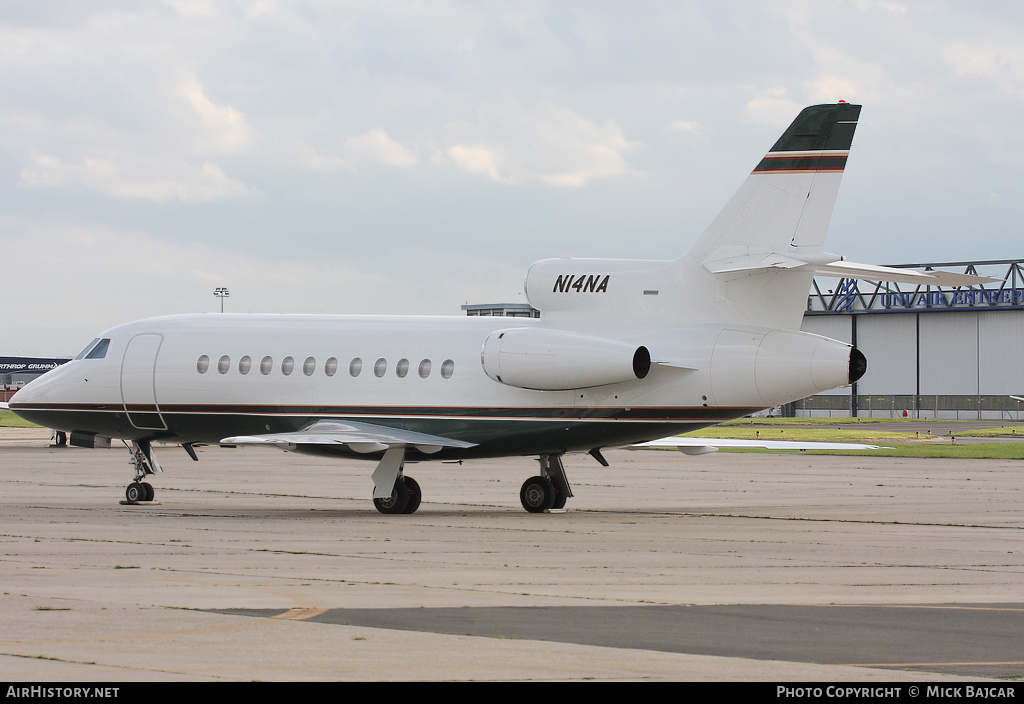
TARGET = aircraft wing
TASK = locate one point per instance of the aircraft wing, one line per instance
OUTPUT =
(359, 437)
(701, 446)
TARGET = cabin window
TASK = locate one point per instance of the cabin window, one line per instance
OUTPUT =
(380, 368)
(355, 366)
(402, 368)
(244, 364)
(331, 366)
(287, 365)
(266, 365)
(424, 369)
(202, 364)
(309, 366)
(447, 369)
(223, 364)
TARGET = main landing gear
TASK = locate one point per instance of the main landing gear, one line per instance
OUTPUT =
(405, 497)
(393, 492)
(548, 491)
(144, 462)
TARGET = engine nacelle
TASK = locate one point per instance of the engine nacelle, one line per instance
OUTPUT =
(780, 366)
(555, 360)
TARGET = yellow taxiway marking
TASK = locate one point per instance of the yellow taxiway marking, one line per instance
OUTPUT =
(300, 614)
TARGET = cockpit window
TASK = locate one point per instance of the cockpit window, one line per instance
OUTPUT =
(97, 351)
(81, 355)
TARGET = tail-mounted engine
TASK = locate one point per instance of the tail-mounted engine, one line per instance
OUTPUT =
(549, 360)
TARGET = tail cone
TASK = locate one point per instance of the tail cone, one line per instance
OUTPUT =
(858, 364)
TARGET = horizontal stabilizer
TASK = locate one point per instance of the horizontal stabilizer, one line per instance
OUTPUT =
(698, 446)
(830, 265)
(722, 261)
(4, 406)
(751, 262)
(872, 272)
(359, 437)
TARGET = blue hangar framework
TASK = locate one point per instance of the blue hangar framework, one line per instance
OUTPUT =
(933, 351)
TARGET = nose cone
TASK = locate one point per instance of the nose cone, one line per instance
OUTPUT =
(40, 400)
(21, 396)
(23, 401)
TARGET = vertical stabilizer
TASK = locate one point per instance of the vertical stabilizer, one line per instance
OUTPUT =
(757, 256)
(752, 266)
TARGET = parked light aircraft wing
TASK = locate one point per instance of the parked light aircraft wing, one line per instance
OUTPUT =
(363, 438)
(700, 446)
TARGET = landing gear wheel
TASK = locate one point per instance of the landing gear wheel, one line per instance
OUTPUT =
(560, 499)
(135, 493)
(399, 500)
(150, 493)
(414, 494)
(538, 494)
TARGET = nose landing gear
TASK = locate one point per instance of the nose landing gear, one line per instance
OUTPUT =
(144, 463)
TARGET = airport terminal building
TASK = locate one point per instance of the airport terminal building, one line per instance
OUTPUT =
(932, 352)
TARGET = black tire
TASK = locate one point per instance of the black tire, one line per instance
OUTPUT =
(150, 493)
(135, 493)
(560, 499)
(398, 502)
(414, 494)
(537, 494)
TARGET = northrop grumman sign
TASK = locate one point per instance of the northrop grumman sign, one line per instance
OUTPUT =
(9, 365)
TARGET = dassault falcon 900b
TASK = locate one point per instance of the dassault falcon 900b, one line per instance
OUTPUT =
(625, 352)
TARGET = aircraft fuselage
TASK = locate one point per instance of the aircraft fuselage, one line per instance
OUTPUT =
(202, 378)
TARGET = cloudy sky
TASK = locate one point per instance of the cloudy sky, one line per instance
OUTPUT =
(409, 157)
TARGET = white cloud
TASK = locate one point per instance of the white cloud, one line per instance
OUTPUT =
(512, 143)
(375, 146)
(479, 160)
(692, 127)
(224, 130)
(994, 64)
(135, 176)
(772, 108)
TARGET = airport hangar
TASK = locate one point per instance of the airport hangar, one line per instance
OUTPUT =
(15, 372)
(933, 352)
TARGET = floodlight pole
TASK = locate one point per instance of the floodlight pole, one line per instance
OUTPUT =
(221, 293)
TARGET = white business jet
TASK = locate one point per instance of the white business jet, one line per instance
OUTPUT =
(625, 352)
